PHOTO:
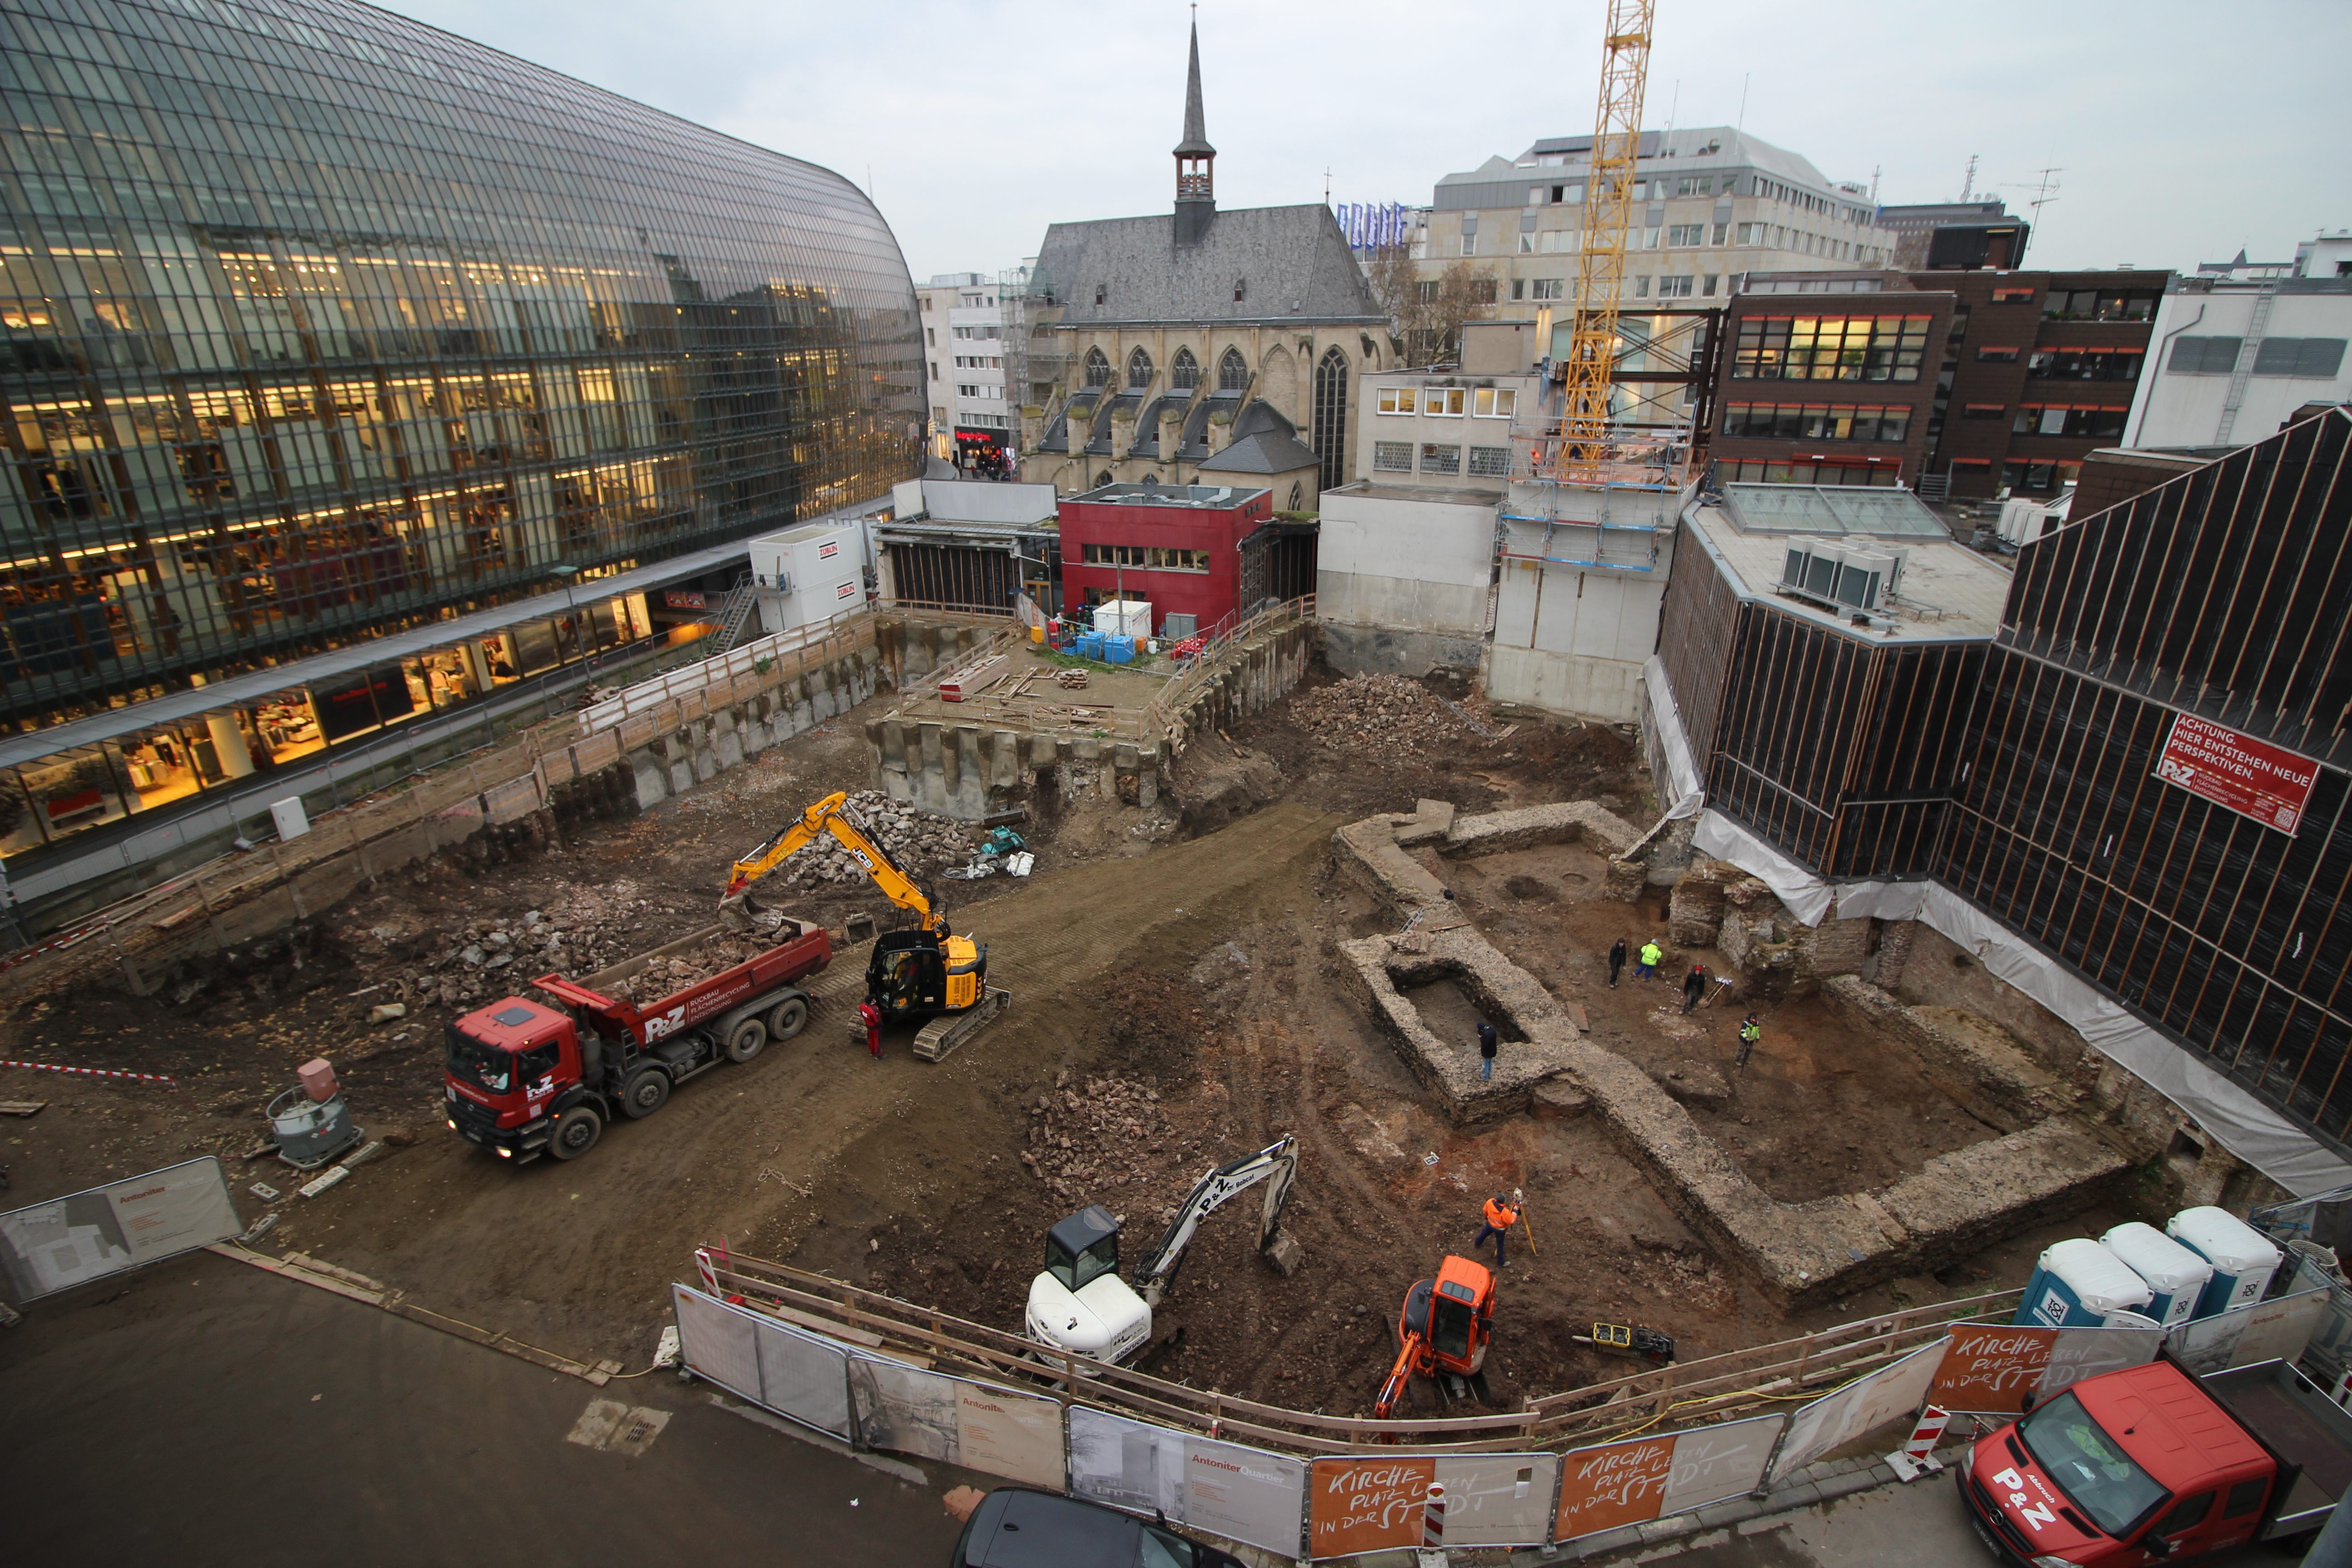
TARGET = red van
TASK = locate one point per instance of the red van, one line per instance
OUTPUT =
(2155, 1463)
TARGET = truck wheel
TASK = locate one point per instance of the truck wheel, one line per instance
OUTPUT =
(645, 1093)
(744, 1040)
(576, 1132)
(787, 1017)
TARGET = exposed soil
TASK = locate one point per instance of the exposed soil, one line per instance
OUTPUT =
(1179, 958)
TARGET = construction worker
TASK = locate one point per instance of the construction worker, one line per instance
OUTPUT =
(1694, 987)
(870, 1016)
(1750, 1031)
(1652, 956)
(1502, 1214)
(1616, 961)
(1486, 1040)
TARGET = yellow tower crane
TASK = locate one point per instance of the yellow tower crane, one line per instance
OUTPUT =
(1584, 449)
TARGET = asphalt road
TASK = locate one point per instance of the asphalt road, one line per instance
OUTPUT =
(1923, 1525)
(213, 1414)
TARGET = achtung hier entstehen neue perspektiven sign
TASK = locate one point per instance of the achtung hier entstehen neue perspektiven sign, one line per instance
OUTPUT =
(2238, 772)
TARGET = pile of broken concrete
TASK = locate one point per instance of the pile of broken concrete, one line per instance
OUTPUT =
(1387, 715)
(1110, 1142)
(919, 842)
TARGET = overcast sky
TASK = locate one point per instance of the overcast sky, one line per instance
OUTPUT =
(2182, 128)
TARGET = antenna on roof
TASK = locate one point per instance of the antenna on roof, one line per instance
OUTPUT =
(1743, 103)
(1969, 185)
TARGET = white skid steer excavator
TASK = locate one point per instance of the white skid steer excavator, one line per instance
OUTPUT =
(1080, 1305)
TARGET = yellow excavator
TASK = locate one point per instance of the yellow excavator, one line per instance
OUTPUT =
(926, 974)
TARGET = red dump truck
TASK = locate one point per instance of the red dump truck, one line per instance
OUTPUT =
(525, 1079)
(2158, 1464)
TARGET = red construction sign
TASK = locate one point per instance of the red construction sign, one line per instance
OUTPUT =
(2250, 777)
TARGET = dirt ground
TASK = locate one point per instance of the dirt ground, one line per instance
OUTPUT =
(1183, 971)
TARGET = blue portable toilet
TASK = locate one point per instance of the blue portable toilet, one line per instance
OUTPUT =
(2243, 1259)
(2176, 1276)
(2078, 1284)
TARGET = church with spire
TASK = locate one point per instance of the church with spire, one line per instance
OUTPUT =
(1199, 345)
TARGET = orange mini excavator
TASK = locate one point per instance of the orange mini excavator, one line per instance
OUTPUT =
(1442, 1333)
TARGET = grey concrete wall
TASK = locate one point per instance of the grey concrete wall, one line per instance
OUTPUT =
(706, 747)
(1382, 650)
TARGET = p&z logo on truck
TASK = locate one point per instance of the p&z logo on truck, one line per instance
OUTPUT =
(667, 1023)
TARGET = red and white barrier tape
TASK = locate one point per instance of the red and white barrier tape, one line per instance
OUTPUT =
(91, 1072)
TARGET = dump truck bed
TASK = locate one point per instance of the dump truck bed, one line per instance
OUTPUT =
(802, 949)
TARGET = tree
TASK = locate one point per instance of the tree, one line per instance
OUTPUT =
(1426, 314)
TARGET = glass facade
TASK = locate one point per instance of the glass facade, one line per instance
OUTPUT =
(315, 321)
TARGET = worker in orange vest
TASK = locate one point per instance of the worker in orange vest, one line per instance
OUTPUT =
(1502, 1214)
(871, 1016)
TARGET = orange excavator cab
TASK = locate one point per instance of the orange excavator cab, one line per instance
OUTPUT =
(1442, 1334)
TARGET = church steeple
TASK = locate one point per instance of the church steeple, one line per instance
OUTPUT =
(1196, 186)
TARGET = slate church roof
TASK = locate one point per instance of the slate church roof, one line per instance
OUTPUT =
(1291, 265)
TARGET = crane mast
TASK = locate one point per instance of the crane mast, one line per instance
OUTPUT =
(1584, 449)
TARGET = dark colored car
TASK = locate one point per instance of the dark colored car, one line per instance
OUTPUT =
(1016, 1527)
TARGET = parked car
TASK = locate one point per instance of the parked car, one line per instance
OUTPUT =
(1016, 1527)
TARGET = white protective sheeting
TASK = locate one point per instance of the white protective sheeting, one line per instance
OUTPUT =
(1672, 740)
(1858, 1409)
(1712, 1463)
(1807, 896)
(1221, 1489)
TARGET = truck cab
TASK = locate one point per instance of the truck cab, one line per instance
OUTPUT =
(2154, 1464)
(512, 1068)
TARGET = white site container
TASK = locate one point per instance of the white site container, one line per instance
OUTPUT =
(2243, 1258)
(807, 573)
(2078, 1284)
(2176, 1276)
(1124, 617)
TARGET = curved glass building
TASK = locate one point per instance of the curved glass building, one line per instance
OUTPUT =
(317, 322)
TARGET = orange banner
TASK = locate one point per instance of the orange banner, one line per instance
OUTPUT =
(1989, 1370)
(1366, 1505)
(1621, 1483)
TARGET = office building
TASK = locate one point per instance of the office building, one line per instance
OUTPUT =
(1710, 203)
(975, 331)
(357, 372)
(2241, 349)
(1915, 224)
(1205, 555)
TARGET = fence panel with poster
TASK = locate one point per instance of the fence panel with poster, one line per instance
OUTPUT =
(1221, 1488)
(911, 1411)
(55, 1245)
(788, 1370)
(2275, 1329)
(1860, 1408)
(1642, 1478)
(1988, 1369)
(1360, 1503)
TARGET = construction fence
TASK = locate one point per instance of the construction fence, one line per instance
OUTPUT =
(881, 1373)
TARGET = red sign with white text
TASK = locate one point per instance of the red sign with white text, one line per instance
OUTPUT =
(2250, 777)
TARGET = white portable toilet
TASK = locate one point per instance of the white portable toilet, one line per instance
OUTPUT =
(2176, 1276)
(2078, 1284)
(2243, 1258)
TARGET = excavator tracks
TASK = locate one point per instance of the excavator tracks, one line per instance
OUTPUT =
(942, 1035)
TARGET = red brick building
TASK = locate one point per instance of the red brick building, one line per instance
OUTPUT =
(1202, 550)
(2038, 373)
(1828, 380)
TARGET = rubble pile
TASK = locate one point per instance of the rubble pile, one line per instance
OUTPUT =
(1108, 1142)
(920, 842)
(1387, 714)
(487, 959)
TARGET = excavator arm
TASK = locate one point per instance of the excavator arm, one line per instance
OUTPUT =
(1410, 1356)
(1277, 1163)
(832, 815)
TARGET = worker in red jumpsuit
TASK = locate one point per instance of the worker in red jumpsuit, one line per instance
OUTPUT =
(871, 1016)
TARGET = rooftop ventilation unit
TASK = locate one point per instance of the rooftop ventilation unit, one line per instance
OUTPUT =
(1841, 576)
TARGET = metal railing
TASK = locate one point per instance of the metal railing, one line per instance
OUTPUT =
(1688, 1394)
(1217, 642)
